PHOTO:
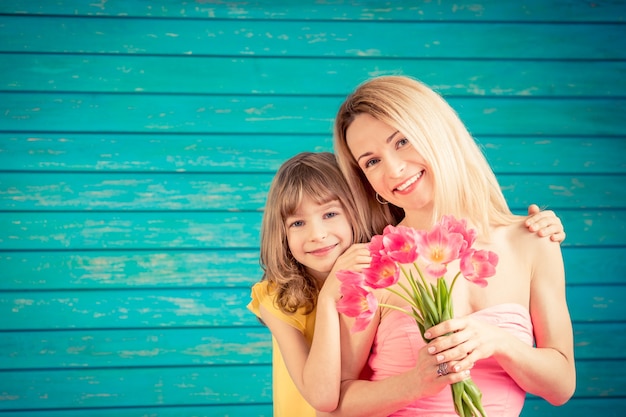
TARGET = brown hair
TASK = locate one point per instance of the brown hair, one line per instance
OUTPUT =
(317, 176)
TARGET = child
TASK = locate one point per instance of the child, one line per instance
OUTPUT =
(311, 228)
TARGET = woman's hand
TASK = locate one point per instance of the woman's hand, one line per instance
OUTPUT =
(429, 380)
(545, 223)
(463, 341)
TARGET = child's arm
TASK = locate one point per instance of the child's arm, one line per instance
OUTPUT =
(545, 223)
(316, 370)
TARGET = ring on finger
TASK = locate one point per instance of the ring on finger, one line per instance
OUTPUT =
(442, 369)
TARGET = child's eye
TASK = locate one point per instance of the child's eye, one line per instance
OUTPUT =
(331, 215)
(297, 223)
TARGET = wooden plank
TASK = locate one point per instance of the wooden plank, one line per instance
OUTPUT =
(200, 230)
(605, 407)
(80, 191)
(593, 264)
(594, 341)
(328, 76)
(126, 113)
(143, 269)
(245, 192)
(103, 35)
(233, 410)
(398, 10)
(175, 386)
(137, 387)
(126, 309)
(257, 153)
(119, 348)
(85, 270)
(114, 231)
(206, 308)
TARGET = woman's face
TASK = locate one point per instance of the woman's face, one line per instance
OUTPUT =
(393, 167)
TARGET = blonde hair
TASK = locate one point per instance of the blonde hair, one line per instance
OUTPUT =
(464, 183)
(317, 176)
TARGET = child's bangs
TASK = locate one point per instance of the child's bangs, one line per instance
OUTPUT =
(317, 187)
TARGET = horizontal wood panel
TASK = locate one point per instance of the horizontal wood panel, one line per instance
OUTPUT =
(254, 153)
(233, 410)
(216, 269)
(330, 76)
(186, 230)
(313, 38)
(218, 346)
(207, 308)
(113, 231)
(135, 348)
(197, 385)
(146, 269)
(245, 192)
(534, 407)
(398, 10)
(605, 407)
(126, 309)
(174, 386)
(125, 113)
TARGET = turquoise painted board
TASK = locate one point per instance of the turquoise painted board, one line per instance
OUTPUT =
(263, 153)
(138, 140)
(398, 10)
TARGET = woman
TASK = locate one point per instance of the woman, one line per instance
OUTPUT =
(404, 150)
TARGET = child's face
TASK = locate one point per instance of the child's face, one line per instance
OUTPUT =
(317, 234)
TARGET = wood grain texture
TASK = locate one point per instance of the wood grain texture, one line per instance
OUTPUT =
(138, 141)
(398, 10)
(334, 76)
(244, 38)
(263, 153)
(125, 113)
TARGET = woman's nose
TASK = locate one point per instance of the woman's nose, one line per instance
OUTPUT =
(395, 166)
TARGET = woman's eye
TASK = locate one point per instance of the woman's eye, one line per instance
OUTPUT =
(402, 142)
(371, 163)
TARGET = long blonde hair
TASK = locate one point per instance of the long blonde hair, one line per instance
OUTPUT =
(465, 185)
(317, 176)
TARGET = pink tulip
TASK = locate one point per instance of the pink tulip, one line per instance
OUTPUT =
(438, 248)
(400, 244)
(359, 303)
(383, 272)
(477, 265)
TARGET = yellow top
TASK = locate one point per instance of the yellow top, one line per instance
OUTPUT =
(288, 402)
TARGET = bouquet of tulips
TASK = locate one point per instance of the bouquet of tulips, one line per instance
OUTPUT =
(449, 240)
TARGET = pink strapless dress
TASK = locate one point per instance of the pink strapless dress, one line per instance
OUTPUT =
(398, 341)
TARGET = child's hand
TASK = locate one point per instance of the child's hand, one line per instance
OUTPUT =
(355, 258)
(545, 223)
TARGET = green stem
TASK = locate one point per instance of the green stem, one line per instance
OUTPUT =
(454, 282)
(405, 298)
(398, 309)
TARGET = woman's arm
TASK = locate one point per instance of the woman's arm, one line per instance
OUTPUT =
(546, 370)
(364, 398)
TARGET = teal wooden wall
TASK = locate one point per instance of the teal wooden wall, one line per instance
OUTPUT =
(138, 140)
